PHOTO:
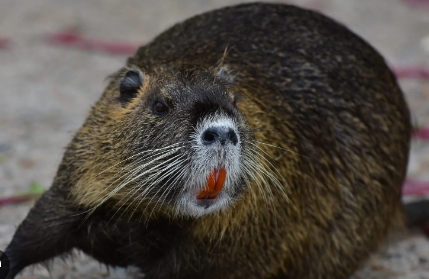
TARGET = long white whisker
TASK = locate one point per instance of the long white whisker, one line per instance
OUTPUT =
(168, 188)
(288, 150)
(265, 161)
(152, 184)
(131, 193)
(263, 184)
(129, 176)
(129, 158)
(254, 178)
(126, 167)
(114, 191)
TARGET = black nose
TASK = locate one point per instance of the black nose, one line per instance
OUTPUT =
(219, 134)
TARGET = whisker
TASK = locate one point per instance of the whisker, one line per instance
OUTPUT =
(129, 158)
(258, 183)
(168, 189)
(114, 191)
(165, 153)
(126, 167)
(157, 166)
(131, 193)
(153, 184)
(270, 166)
(278, 147)
(264, 185)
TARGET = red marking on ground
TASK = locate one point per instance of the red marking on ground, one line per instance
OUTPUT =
(418, 3)
(74, 40)
(422, 133)
(17, 199)
(415, 188)
(4, 43)
(415, 72)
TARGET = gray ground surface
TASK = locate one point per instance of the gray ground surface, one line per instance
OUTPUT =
(46, 92)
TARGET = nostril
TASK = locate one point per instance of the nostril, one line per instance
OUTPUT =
(223, 135)
(232, 136)
(209, 137)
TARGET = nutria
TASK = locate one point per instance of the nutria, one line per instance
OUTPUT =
(253, 141)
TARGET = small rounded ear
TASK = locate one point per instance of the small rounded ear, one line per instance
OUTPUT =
(130, 85)
(224, 73)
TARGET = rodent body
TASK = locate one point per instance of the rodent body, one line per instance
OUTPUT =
(285, 84)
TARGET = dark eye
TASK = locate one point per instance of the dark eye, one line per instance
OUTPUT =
(160, 108)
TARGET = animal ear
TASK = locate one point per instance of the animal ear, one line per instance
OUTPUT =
(130, 85)
(225, 73)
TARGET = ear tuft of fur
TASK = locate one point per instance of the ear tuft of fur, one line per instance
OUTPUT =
(130, 85)
(225, 73)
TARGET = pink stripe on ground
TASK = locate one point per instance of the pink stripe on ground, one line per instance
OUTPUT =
(4, 42)
(414, 72)
(17, 199)
(422, 133)
(418, 3)
(415, 188)
(76, 41)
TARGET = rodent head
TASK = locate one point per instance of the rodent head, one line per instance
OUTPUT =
(171, 132)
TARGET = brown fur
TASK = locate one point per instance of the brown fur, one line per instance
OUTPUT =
(320, 94)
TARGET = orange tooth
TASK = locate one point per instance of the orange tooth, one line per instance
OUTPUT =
(220, 180)
(213, 186)
(211, 180)
(210, 186)
(213, 194)
(202, 195)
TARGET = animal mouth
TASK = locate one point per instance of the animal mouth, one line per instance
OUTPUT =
(214, 185)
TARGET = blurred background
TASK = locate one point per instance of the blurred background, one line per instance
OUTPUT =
(56, 54)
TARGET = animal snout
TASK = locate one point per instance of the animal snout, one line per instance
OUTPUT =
(222, 135)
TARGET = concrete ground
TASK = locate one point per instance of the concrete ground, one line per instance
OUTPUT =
(46, 92)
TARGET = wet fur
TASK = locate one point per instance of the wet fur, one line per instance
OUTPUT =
(319, 93)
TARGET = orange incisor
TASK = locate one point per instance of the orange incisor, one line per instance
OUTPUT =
(214, 184)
